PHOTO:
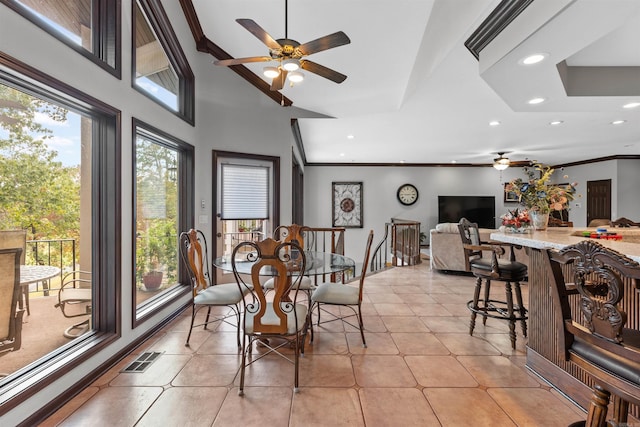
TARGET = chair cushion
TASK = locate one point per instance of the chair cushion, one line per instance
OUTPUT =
(270, 318)
(618, 365)
(336, 293)
(509, 270)
(224, 294)
(305, 284)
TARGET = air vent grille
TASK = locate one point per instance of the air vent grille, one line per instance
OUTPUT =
(142, 362)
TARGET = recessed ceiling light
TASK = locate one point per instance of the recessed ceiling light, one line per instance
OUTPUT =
(618, 122)
(534, 101)
(556, 122)
(454, 161)
(533, 59)
(494, 123)
(401, 161)
(631, 105)
(341, 154)
(350, 136)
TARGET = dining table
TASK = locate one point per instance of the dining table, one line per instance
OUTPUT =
(317, 264)
(33, 274)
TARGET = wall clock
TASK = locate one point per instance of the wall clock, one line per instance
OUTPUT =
(407, 194)
(347, 204)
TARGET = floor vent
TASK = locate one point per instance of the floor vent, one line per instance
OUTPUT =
(142, 362)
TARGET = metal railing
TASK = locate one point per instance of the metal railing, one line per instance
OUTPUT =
(400, 245)
(60, 253)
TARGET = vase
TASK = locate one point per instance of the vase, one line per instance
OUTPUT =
(152, 280)
(539, 220)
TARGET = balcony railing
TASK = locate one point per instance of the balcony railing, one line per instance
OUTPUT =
(60, 253)
(400, 245)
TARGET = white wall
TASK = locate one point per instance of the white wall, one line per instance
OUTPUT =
(628, 184)
(381, 183)
(380, 204)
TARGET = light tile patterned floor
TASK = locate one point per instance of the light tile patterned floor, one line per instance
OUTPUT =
(421, 368)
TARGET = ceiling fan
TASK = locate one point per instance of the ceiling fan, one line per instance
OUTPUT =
(289, 55)
(501, 162)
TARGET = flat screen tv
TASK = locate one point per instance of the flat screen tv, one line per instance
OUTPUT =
(478, 209)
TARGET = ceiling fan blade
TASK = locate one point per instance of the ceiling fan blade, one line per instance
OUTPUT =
(324, 43)
(278, 82)
(238, 61)
(259, 32)
(322, 71)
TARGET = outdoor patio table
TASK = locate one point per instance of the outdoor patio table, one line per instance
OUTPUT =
(32, 274)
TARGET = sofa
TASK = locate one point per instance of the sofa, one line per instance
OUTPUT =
(446, 248)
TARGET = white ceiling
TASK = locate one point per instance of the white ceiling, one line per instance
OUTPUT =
(414, 93)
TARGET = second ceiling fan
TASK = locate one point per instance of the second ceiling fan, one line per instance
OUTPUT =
(289, 54)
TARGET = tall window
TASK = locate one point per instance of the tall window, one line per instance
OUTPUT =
(163, 208)
(92, 27)
(160, 69)
(59, 183)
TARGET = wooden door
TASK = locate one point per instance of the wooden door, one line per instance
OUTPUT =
(297, 201)
(598, 200)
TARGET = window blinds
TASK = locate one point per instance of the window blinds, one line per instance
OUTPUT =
(245, 192)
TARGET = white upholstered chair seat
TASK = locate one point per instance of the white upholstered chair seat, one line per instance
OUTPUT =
(270, 318)
(336, 293)
(223, 294)
(305, 284)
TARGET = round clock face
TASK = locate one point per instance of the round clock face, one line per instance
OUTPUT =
(407, 194)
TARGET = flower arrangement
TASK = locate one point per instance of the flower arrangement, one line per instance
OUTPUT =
(517, 218)
(536, 194)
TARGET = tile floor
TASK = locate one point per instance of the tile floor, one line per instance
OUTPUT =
(421, 368)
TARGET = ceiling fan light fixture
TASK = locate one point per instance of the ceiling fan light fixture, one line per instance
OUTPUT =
(291, 64)
(270, 72)
(295, 77)
(501, 163)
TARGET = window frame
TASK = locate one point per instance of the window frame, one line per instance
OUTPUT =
(157, 17)
(186, 215)
(105, 231)
(106, 28)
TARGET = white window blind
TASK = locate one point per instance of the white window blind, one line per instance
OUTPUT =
(245, 192)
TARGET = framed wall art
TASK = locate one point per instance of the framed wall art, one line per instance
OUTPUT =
(510, 196)
(347, 204)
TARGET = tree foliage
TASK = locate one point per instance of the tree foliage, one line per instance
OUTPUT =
(36, 191)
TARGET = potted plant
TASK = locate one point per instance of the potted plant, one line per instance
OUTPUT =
(154, 252)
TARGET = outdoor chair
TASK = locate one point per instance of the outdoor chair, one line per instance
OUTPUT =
(74, 300)
(591, 326)
(344, 295)
(10, 315)
(195, 255)
(280, 322)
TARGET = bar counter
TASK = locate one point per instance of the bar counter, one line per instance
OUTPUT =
(543, 355)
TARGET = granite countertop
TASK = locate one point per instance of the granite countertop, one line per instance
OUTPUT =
(559, 237)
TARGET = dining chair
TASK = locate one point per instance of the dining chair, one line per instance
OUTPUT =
(278, 322)
(195, 255)
(591, 326)
(344, 295)
(509, 271)
(10, 315)
(74, 300)
(298, 234)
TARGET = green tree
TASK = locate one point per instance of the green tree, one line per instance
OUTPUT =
(36, 191)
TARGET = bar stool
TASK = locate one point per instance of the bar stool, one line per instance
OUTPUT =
(487, 269)
(596, 336)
